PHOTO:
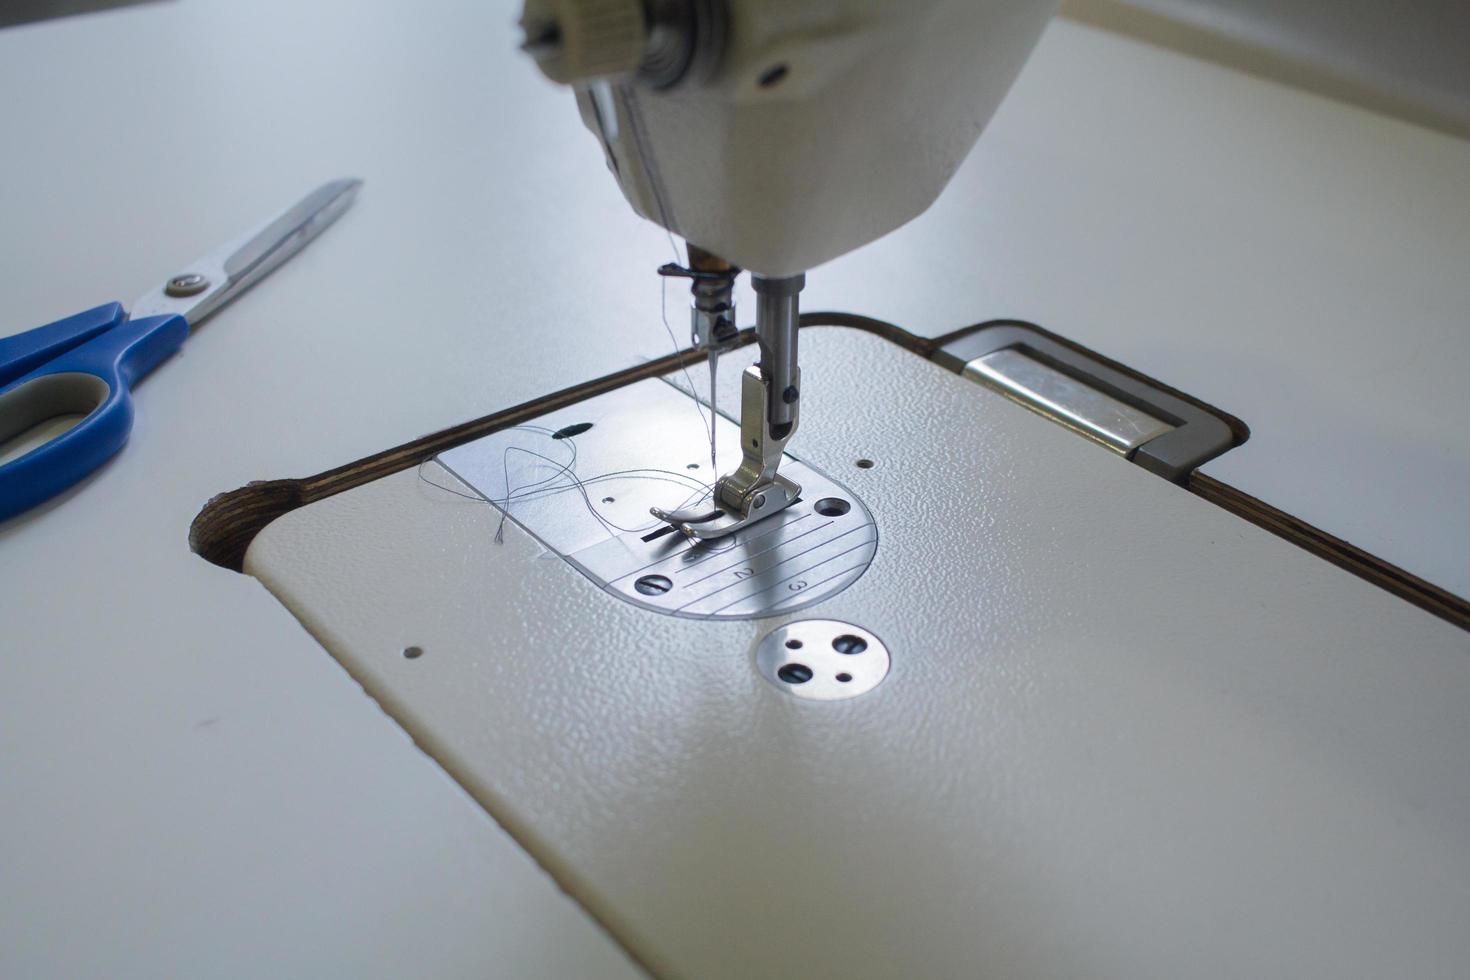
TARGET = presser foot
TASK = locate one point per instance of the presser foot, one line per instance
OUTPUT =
(755, 490)
(755, 504)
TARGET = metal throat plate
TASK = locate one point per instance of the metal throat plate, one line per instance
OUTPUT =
(581, 481)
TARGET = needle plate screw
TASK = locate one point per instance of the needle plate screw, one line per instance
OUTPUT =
(653, 585)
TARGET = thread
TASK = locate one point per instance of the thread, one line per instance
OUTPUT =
(549, 485)
(706, 424)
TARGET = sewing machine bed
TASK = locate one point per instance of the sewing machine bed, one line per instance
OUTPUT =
(1124, 733)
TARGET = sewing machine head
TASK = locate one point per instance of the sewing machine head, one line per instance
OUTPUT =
(775, 135)
(780, 134)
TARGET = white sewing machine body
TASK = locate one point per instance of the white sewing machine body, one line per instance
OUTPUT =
(785, 159)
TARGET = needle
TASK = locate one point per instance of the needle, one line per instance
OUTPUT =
(714, 411)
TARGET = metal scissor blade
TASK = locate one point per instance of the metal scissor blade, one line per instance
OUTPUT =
(210, 282)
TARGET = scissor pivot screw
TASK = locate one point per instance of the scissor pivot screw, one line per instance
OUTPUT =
(188, 284)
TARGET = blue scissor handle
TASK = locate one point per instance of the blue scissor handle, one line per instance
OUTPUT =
(23, 353)
(107, 353)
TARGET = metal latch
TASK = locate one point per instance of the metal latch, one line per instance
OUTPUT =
(1138, 419)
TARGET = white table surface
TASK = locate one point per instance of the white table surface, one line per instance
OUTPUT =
(189, 785)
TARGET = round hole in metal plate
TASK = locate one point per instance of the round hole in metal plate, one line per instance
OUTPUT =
(794, 673)
(838, 660)
(413, 653)
(832, 507)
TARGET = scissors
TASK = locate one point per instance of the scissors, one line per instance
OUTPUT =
(86, 364)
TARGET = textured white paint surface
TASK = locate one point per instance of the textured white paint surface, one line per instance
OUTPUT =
(189, 786)
(1125, 733)
(1295, 261)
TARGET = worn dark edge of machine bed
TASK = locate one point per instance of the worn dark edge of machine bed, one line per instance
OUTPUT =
(222, 531)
